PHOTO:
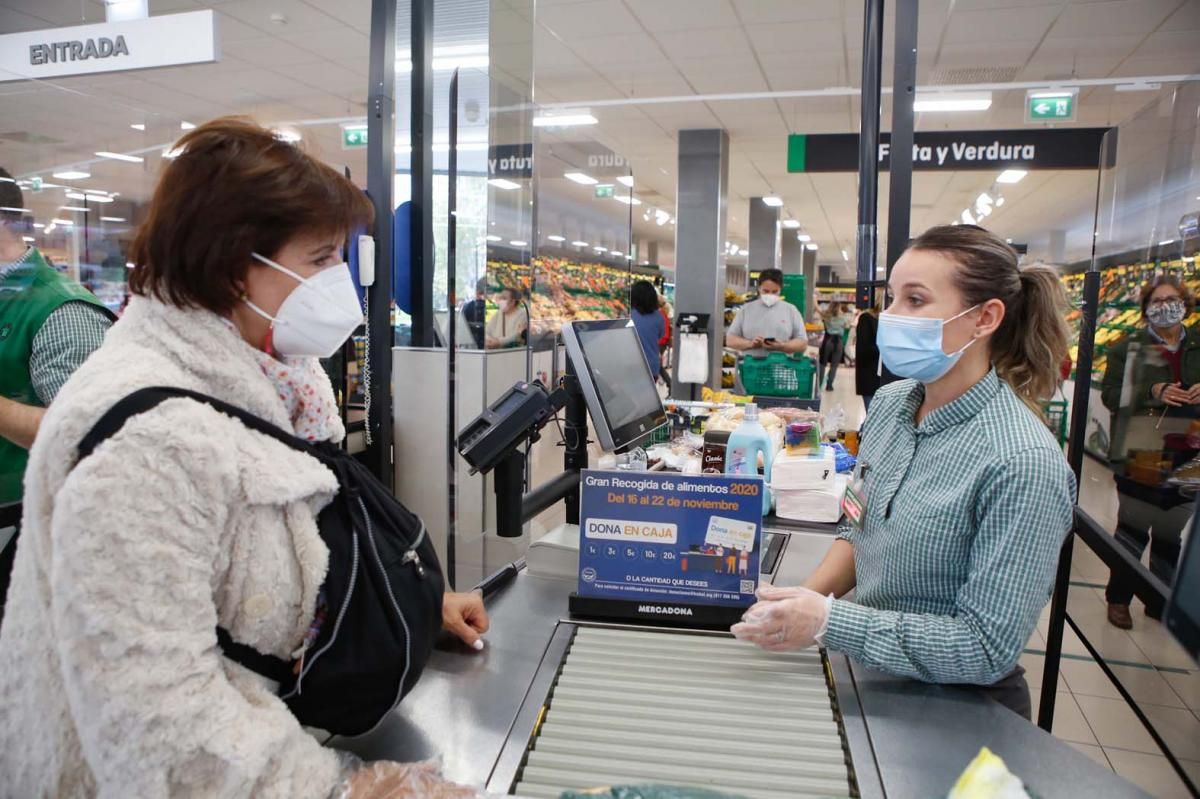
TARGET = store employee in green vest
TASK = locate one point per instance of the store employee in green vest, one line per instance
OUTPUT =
(49, 325)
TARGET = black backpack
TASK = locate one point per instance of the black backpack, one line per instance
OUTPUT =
(383, 590)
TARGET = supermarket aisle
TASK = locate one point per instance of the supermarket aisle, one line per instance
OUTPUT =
(843, 395)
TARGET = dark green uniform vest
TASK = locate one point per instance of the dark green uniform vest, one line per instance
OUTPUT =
(28, 295)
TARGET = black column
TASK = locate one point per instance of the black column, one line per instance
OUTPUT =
(381, 168)
(421, 159)
(868, 151)
(904, 89)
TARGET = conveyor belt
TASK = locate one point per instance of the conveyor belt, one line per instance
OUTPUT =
(632, 706)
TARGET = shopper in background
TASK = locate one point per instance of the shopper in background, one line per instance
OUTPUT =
(664, 308)
(509, 326)
(967, 495)
(111, 679)
(768, 323)
(1152, 387)
(866, 356)
(648, 320)
(833, 346)
(49, 325)
(475, 312)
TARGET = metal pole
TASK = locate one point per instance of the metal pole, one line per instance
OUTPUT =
(868, 151)
(421, 159)
(904, 91)
(451, 338)
(1079, 405)
(381, 169)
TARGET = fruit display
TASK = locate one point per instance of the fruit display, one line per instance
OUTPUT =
(562, 291)
(1119, 309)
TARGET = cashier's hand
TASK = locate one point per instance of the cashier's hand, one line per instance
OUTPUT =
(465, 616)
(784, 619)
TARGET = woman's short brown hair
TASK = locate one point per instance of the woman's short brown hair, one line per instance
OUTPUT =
(1167, 279)
(234, 189)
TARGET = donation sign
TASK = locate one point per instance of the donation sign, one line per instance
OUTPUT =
(684, 539)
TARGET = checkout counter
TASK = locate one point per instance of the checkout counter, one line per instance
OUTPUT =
(555, 703)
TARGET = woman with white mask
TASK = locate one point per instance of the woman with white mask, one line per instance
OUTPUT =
(112, 678)
(769, 323)
(509, 326)
(961, 498)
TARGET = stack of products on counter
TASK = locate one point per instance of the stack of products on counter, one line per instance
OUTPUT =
(562, 291)
(1119, 311)
(808, 487)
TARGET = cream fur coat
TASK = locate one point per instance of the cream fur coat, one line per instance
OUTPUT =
(111, 681)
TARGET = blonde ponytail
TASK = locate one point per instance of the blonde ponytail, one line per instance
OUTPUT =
(1032, 341)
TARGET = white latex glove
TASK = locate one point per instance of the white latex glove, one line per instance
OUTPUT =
(387, 780)
(784, 619)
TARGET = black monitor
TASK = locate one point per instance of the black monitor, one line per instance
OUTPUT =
(1183, 608)
(616, 381)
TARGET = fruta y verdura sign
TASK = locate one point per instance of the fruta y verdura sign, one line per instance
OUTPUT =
(169, 40)
(1063, 148)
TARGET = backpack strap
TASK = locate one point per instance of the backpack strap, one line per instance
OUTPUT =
(145, 399)
(268, 666)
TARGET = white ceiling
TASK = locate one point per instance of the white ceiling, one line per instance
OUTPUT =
(315, 67)
(597, 50)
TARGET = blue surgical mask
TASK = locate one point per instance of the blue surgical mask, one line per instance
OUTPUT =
(911, 346)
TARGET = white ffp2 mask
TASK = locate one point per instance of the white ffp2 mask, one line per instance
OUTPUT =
(318, 316)
(769, 299)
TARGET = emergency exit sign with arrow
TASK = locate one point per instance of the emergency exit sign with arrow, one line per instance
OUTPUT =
(1049, 106)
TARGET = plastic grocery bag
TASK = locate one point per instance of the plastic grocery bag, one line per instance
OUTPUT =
(693, 358)
(648, 792)
(988, 778)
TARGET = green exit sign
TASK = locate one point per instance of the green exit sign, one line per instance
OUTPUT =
(604, 191)
(1044, 106)
(354, 137)
(797, 153)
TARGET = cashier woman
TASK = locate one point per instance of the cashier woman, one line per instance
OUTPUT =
(967, 494)
(111, 680)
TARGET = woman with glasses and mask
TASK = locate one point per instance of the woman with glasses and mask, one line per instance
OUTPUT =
(961, 498)
(112, 679)
(1152, 387)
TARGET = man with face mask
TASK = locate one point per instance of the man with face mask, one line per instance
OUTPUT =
(49, 325)
(769, 323)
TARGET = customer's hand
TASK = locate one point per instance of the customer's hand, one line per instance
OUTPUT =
(784, 619)
(387, 780)
(465, 616)
(1194, 395)
(1172, 394)
(759, 342)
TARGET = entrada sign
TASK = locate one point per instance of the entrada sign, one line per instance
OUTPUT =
(169, 40)
(76, 50)
(1068, 148)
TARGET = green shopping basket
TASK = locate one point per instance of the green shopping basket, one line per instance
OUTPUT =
(778, 374)
(1056, 418)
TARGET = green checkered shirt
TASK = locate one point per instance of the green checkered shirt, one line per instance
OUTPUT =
(65, 340)
(966, 513)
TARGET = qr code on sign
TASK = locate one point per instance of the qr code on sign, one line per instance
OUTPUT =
(747, 586)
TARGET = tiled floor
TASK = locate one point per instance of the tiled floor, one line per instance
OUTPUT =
(1089, 711)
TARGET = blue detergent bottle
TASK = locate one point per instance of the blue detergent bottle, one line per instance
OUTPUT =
(746, 443)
